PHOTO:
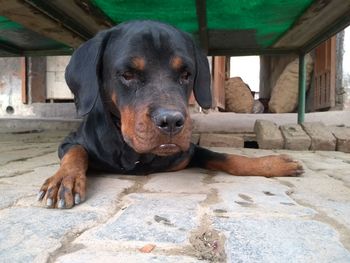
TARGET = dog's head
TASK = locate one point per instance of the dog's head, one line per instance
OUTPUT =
(145, 72)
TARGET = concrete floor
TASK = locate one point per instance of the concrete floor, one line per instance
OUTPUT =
(187, 216)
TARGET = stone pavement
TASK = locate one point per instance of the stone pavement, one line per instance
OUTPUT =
(187, 216)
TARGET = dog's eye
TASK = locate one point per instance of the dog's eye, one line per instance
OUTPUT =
(185, 75)
(128, 75)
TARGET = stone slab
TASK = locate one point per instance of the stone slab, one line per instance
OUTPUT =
(27, 234)
(268, 240)
(289, 219)
(178, 182)
(322, 138)
(220, 140)
(255, 196)
(161, 218)
(91, 255)
(268, 136)
(328, 196)
(342, 134)
(295, 138)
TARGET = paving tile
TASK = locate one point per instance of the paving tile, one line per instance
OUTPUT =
(268, 135)
(295, 138)
(255, 195)
(162, 218)
(342, 134)
(185, 181)
(275, 240)
(322, 138)
(91, 255)
(328, 196)
(29, 164)
(27, 234)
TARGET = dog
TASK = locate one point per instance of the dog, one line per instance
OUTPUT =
(132, 85)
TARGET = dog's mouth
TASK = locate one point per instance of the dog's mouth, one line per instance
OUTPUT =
(166, 149)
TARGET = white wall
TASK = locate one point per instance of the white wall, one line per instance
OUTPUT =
(248, 68)
(56, 87)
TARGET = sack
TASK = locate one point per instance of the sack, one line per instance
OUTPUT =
(284, 96)
(238, 97)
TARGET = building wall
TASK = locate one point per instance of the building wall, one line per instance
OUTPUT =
(11, 88)
(12, 81)
(56, 87)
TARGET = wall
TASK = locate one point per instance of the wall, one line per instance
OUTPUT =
(56, 87)
(11, 82)
(11, 88)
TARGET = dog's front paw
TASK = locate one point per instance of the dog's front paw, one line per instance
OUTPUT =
(281, 165)
(64, 189)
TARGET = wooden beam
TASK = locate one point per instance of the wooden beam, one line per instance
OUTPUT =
(318, 17)
(36, 79)
(10, 49)
(31, 18)
(92, 13)
(251, 51)
(49, 9)
(340, 24)
(77, 15)
(201, 8)
(24, 85)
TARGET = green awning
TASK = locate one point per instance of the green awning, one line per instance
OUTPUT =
(223, 27)
(14, 37)
(264, 21)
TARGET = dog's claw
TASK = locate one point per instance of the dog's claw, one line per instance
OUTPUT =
(49, 202)
(40, 195)
(77, 199)
(299, 172)
(61, 204)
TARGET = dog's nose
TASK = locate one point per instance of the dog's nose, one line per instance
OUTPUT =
(169, 121)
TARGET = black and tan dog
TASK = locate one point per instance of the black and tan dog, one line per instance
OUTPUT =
(132, 84)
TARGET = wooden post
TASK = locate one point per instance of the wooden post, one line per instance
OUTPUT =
(302, 89)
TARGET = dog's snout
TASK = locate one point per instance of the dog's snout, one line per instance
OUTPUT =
(169, 121)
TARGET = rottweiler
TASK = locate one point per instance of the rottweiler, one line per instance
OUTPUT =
(132, 85)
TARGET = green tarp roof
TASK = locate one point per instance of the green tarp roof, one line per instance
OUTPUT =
(266, 20)
(225, 27)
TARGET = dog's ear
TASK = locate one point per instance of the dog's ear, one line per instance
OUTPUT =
(83, 71)
(202, 81)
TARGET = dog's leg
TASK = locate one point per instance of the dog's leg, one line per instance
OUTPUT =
(67, 187)
(268, 166)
